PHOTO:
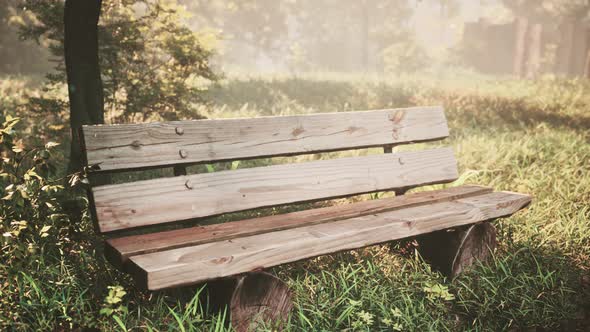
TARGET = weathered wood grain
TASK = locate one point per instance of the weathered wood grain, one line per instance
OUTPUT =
(163, 200)
(128, 146)
(218, 259)
(119, 249)
(260, 300)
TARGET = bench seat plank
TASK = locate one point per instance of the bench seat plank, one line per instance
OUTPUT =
(150, 202)
(130, 146)
(207, 261)
(119, 249)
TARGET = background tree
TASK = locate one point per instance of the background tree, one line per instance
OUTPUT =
(533, 16)
(18, 57)
(83, 71)
(254, 27)
(352, 35)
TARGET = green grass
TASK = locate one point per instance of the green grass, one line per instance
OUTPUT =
(524, 136)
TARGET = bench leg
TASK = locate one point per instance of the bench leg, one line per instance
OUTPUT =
(252, 299)
(259, 296)
(453, 251)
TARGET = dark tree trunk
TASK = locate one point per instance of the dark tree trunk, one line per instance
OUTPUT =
(82, 69)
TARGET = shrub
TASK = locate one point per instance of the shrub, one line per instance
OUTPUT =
(152, 65)
(31, 218)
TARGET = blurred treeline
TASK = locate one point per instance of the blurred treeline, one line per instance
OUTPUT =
(526, 38)
(18, 56)
(531, 38)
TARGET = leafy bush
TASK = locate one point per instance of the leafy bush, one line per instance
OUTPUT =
(152, 65)
(31, 218)
(34, 228)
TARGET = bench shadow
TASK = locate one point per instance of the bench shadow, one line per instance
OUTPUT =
(538, 283)
(490, 111)
(325, 95)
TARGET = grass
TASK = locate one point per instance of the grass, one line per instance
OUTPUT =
(521, 136)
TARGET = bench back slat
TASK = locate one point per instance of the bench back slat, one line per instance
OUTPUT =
(165, 200)
(137, 146)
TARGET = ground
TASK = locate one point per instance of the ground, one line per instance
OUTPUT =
(525, 136)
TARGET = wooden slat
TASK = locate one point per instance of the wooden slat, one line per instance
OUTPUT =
(119, 147)
(119, 249)
(224, 258)
(163, 200)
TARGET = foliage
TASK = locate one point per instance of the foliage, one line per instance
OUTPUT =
(404, 57)
(152, 65)
(549, 10)
(328, 34)
(112, 303)
(341, 36)
(33, 223)
(31, 218)
(17, 56)
(259, 25)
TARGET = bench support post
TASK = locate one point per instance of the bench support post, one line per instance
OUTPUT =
(253, 299)
(452, 251)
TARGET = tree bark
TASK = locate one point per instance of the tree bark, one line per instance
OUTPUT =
(83, 71)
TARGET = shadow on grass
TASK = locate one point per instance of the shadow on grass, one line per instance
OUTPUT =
(487, 112)
(525, 288)
(463, 108)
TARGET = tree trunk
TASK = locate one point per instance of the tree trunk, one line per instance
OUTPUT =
(533, 63)
(521, 28)
(587, 65)
(365, 36)
(565, 49)
(579, 47)
(82, 69)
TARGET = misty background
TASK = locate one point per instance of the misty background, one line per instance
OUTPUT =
(523, 38)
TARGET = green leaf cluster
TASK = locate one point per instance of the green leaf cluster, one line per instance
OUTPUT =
(152, 65)
(32, 220)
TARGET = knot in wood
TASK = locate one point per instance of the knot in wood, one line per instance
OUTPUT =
(401, 161)
(183, 153)
(188, 184)
(179, 131)
(136, 145)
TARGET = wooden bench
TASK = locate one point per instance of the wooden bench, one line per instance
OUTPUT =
(171, 258)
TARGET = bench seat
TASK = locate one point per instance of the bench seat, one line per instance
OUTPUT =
(191, 255)
(169, 258)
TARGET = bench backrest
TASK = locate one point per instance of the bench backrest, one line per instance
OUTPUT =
(175, 144)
